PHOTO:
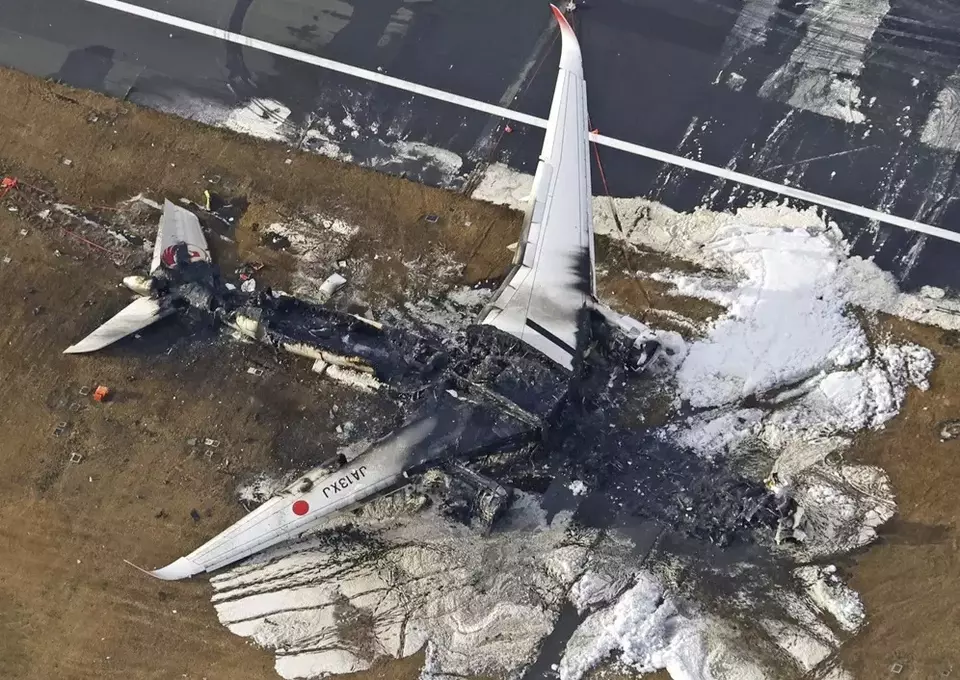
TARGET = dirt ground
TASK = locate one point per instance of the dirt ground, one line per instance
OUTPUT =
(910, 579)
(71, 608)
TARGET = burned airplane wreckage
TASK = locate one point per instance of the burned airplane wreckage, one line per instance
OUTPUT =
(534, 392)
(471, 404)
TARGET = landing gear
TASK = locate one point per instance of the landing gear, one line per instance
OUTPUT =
(642, 354)
(473, 499)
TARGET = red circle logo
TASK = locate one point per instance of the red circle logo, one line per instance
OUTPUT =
(301, 508)
(169, 255)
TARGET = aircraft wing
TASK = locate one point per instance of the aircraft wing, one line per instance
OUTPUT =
(552, 278)
(446, 426)
(305, 503)
(137, 315)
(178, 225)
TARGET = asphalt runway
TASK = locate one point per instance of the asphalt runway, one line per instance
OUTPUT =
(851, 103)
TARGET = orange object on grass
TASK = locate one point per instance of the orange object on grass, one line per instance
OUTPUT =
(7, 184)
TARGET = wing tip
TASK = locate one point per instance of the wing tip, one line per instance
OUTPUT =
(561, 18)
(570, 57)
(80, 348)
(175, 571)
(83, 347)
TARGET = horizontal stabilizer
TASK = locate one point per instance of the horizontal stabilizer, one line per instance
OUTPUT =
(137, 315)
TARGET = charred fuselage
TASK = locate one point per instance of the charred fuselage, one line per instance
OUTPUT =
(473, 400)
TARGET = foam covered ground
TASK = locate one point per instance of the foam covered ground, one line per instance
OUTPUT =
(779, 382)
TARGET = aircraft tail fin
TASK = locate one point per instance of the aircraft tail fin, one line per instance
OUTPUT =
(139, 314)
(178, 225)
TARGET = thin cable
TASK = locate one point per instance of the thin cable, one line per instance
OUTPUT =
(616, 220)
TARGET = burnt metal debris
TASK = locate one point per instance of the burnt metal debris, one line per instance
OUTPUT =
(472, 498)
(949, 429)
(227, 210)
(494, 396)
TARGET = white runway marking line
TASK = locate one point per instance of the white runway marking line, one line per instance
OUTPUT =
(433, 93)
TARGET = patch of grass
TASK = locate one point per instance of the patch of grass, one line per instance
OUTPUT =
(623, 285)
(116, 149)
(910, 579)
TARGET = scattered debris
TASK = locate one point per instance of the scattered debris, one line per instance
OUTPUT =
(249, 285)
(24, 232)
(432, 218)
(330, 286)
(211, 202)
(275, 241)
(102, 393)
(7, 185)
(75, 458)
(949, 429)
(253, 370)
(247, 270)
(6, 259)
(67, 162)
(140, 198)
(211, 442)
(196, 518)
(227, 211)
(192, 441)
